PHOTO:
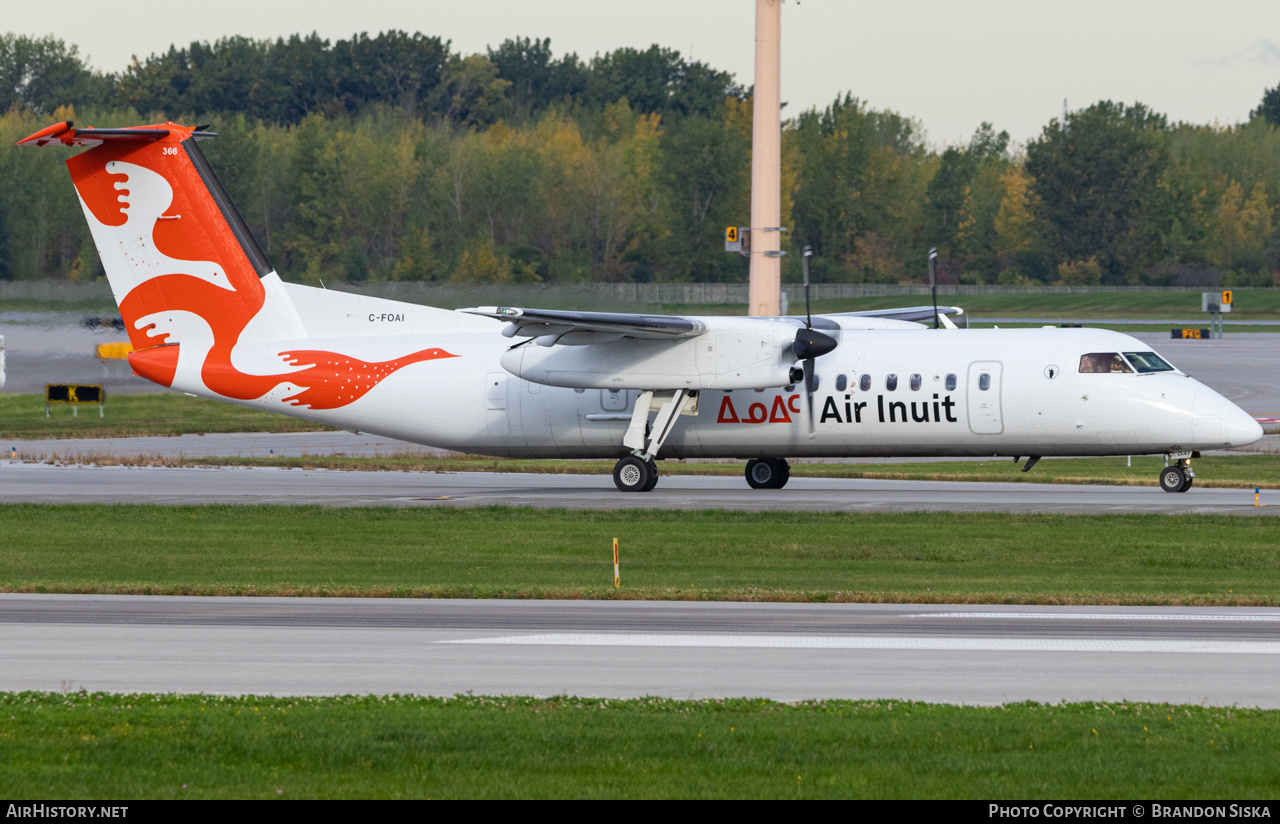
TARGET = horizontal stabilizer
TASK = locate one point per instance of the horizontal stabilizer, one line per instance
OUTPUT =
(64, 134)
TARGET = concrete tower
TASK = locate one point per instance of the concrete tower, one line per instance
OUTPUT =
(766, 163)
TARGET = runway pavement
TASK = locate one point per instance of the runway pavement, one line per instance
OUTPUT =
(960, 654)
(42, 483)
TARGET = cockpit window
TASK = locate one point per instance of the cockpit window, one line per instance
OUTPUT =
(1103, 362)
(1148, 362)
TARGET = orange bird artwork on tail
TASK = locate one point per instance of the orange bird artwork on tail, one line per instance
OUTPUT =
(182, 253)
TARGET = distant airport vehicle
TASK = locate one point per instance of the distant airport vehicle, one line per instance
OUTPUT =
(208, 315)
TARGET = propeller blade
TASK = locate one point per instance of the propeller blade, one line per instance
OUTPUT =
(810, 344)
(933, 282)
(808, 316)
(809, 375)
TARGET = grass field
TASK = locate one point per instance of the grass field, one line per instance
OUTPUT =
(22, 416)
(1236, 471)
(95, 745)
(700, 555)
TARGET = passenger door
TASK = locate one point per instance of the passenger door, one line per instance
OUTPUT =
(983, 397)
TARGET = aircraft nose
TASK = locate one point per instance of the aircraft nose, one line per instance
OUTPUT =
(1238, 427)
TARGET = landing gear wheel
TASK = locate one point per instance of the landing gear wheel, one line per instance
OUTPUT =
(653, 477)
(784, 473)
(631, 474)
(768, 473)
(1187, 484)
(1174, 479)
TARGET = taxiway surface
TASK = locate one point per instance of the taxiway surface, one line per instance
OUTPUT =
(43, 483)
(959, 654)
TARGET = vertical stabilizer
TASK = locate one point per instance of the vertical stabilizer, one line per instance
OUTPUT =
(204, 309)
(169, 237)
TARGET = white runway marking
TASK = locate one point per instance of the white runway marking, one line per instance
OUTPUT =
(1096, 616)
(880, 642)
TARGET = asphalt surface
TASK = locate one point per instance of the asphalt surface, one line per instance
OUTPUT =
(57, 347)
(44, 483)
(958, 654)
(221, 445)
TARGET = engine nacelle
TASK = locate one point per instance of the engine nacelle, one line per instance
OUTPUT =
(744, 355)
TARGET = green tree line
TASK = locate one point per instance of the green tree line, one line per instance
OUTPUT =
(393, 158)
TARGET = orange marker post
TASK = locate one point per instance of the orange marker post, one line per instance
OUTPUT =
(616, 583)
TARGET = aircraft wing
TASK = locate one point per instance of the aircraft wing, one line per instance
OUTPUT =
(542, 322)
(918, 313)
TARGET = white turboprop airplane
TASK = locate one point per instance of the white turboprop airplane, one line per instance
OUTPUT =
(207, 315)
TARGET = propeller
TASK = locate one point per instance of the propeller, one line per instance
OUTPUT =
(810, 343)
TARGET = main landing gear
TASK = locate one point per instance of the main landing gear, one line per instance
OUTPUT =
(637, 472)
(1178, 477)
(768, 473)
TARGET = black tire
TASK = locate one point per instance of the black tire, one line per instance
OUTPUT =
(653, 477)
(768, 473)
(631, 474)
(784, 473)
(761, 473)
(1187, 484)
(1172, 479)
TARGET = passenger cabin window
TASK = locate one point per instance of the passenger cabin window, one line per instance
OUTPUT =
(1096, 362)
(890, 382)
(984, 381)
(1148, 362)
(864, 383)
(951, 383)
(916, 381)
(842, 381)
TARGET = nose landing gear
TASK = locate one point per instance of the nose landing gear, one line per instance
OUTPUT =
(1178, 477)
